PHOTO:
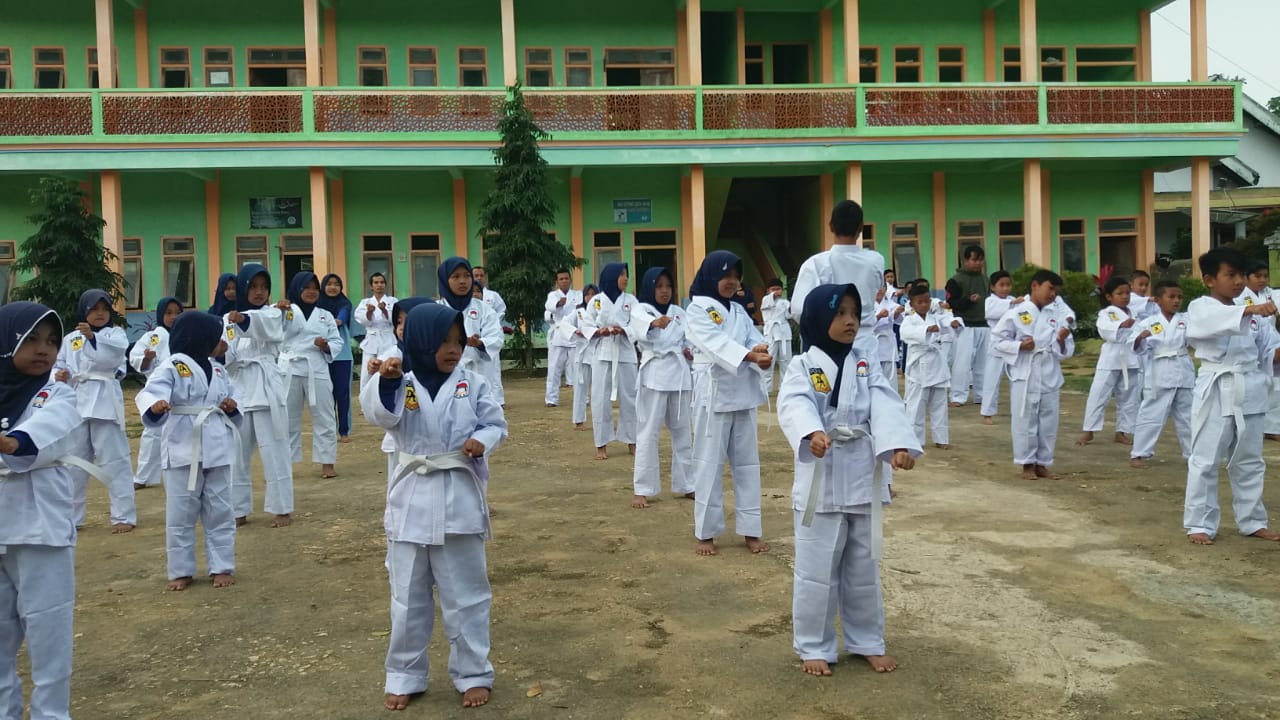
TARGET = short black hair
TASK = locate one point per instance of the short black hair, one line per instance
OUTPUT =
(917, 290)
(1163, 285)
(1258, 266)
(999, 275)
(846, 219)
(1112, 284)
(773, 282)
(1046, 276)
(477, 267)
(974, 251)
(562, 271)
(376, 275)
(922, 282)
(1212, 262)
(1139, 273)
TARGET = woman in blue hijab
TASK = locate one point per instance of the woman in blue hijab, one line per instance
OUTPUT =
(221, 303)
(333, 298)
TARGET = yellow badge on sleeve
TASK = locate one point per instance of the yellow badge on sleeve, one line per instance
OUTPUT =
(597, 303)
(410, 398)
(1157, 329)
(1025, 317)
(231, 333)
(1113, 317)
(819, 380)
(181, 367)
(289, 315)
(155, 339)
(715, 316)
(77, 343)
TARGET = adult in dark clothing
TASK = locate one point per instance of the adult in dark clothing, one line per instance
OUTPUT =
(967, 295)
(747, 299)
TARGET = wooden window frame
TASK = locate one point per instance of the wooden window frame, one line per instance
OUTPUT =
(1002, 238)
(415, 66)
(1007, 65)
(249, 65)
(463, 68)
(91, 66)
(875, 65)
(207, 67)
(595, 249)
(243, 257)
(6, 267)
(361, 65)
(1082, 236)
(1044, 64)
(636, 246)
(37, 67)
(166, 256)
(589, 66)
(948, 64)
(673, 67)
(137, 258)
(1075, 56)
(748, 62)
(7, 68)
(868, 236)
(164, 66)
(549, 66)
(438, 253)
(390, 254)
(918, 64)
(963, 241)
(914, 242)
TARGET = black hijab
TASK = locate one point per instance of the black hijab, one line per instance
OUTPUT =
(425, 330)
(17, 320)
(337, 303)
(164, 305)
(297, 285)
(88, 301)
(221, 305)
(196, 334)
(609, 280)
(716, 265)
(447, 268)
(820, 307)
(649, 288)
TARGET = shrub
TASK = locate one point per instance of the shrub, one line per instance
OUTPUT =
(1078, 290)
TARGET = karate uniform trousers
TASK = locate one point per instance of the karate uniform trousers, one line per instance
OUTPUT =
(37, 603)
(111, 450)
(657, 408)
(780, 351)
(317, 394)
(602, 380)
(722, 435)
(969, 366)
(1157, 405)
(934, 399)
(558, 366)
(211, 505)
(581, 391)
(260, 429)
(992, 377)
(1221, 437)
(1035, 423)
(836, 547)
(1111, 382)
(148, 471)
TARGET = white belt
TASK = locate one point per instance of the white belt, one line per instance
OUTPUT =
(427, 464)
(1036, 354)
(201, 414)
(1217, 372)
(840, 436)
(287, 357)
(68, 461)
(91, 375)
(279, 416)
(1168, 353)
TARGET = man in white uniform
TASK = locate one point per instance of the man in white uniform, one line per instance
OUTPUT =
(562, 302)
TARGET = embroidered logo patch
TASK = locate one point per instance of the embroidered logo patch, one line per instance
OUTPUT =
(288, 315)
(1157, 329)
(863, 368)
(231, 333)
(77, 343)
(715, 316)
(473, 314)
(410, 398)
(1248, 301)
(461, 391)
(155, 340)
(819, 380)
(597, 304)
(181, 367)
(38, 402)
(1113, 317)
(1024, 317)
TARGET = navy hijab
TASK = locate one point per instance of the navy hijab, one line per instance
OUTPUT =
(244, 280)
(17, 320)
(88, 300)
(221, 305)
(402, 307)
(447, 268)
(609, 280)
(649, 288)
(820, 307)
(714, 268)
(334, 305)
(588, 290)
(195, 335)
(297, 285)
(425, 330)
(164, 305)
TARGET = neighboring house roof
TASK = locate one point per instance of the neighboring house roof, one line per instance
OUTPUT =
(1259, 112)
(1246, 175)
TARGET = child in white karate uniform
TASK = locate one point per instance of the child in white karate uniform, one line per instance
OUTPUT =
(580, 357)
(1237, 349)
(613, 360)
(398, 313)
(889, 315)
(41, 426)
(445, 420)
(148, 353)
(92, 360)
(374, 313)
(460, 291)
(1257, 291)
(998, 303)
(185, 395)
(729, 355)
(562, 303)
(663, 388)
(311, 342)
(1141, 304)
(1032, 340)
(843, 419)
(494, 302)
(776, 312)
(928, 377)
(1169, 378)
(254, 331)
(1119, 369)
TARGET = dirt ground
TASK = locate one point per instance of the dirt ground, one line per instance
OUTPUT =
(1077, 598)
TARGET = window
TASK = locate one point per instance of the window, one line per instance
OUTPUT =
(424, 70)
(639, 66)
(473, 67)
(907, 65)
(1013, 245)
(754, 55)
(655, 248)
(372, 66)
(91, 68)
(251, 249)
(175, 67)
(951, 64)
(51, 68)
(219, 69)
(6, 68)
(1012, 63)
(424, 259)
(970, 233)
(606, 247)
(378, 257)
(869, 65)
(1106, 64)
(1118, 243)
(1053, 64)
(131, 264)
(1071, 245)
(869, 236)
(277, 67)
(538, 68)
(906, 250)
(577, 67)
(295, 255)
(180, 269)
(8, 253)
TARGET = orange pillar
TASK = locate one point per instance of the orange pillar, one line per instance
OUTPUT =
(853, 181)
(1033, 213)
(1201, 230)
(826, 48)
(329, 70)
(576, 236)
(1144, 46)
(1199, 41)
(311, 38)
(687, 268)
(826, 188)
(1147, 222)
(1029, 42)
(338, 228)
(213, 230)
(852, 47)
(682, 47)
(941, 269)
(113, 214)
(141, 48)
(698, 208)
(106, 47)
(321, 252)
(510, 71)
(460, 217)
(740, 17)
(693, 34)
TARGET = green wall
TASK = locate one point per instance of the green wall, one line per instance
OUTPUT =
(1091, 196)
(600, 187)
(396, 204)
(69, 24)
(989, 197)
(225, 23)
(948, 24)
(400, 24)
(236, 188)
(160, 205)
(587, 23)
(780, 27)
(890, 198)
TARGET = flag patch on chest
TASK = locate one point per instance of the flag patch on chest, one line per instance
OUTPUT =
(410, 398)
(181, 367)
(461, 391)
(715, 316)
(40, 398)
(77, 343)
(819, 380)
(863, 368)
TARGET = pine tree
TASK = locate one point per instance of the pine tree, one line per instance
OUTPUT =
(65, 256)
(520, 256)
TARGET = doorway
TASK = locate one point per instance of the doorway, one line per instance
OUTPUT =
(1118, 244)
(654, 248)
(791, 64)
(295, 256)
(277, 67)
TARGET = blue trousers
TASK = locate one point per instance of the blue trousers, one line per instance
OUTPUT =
(340, 374)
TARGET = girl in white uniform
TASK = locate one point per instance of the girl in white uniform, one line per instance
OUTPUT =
(92, 360)
(839, 431)
(148, 353)
(398, 313)
(888, 319)
(311, 341)
(484, 330)
(613, 360)
(253, 334)
(663, 388)
(775, 310)
(374, 313)
(185, 395)
(1119, 371)
(580, 357)
(445, 420)
(729, 355)
(41, 425)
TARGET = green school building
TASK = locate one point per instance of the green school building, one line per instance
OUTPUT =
(355, 135)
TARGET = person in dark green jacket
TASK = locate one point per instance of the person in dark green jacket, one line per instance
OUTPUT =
(967, 294)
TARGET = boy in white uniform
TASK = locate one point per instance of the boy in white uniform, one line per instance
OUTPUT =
(1119, 369)
(729, 355)
(889, 315)
(92, 360)
(1169, 378)
(186, 395)
(1257, 291)
(148, 353)
(997, 304)
(580, 359)
(841, 416)
(1032, 340)
(613, 360)
(663, 388)
(41, 425)
(374, 313)
(1237, 349)
(928, 377)
(254, 331)
(311, 342)
(1141, 304)
(561, 304)
(483, 325)
(445, 420)
(776, 312)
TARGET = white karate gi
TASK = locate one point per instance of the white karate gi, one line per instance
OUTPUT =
(495, 303)
(96, 370)
(1228, 413)
(148, 468)
(886, 341)
(726, 393)
(180, 382)
(479, 319)
(436, 523)
(389, 440)
(969, 353)
(37, 555)
(1035, 377)
(926, 371)
(1142, 307)
(993, 370)
(306, 374)
(1271, 425)
(840, 265)
(613, 368)
(559, 345)
(1118, 372)
(663, 396)
(579, 363)
(835, 569)
(379, 333)
(252, 357)
(1168, 383)
(776, 313)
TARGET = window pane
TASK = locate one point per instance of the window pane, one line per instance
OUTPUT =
(868, 232)
(425, 282)
(251, 244)
(906, 261)
(422, 56)
(132, 247)
(1012, 255)
(50, 79)
(970, 229)
(950, 55)
(639, 57)
(755, 52)
(755, 73)
(537, 78)
(178, 246)
(650, 238)
(217, 56)
(377, 264)
(1013, 54)
(578, 77)
(868, 74)
(53, 56)
(373, 77)
(424, 77)
(474, 78)
(251, 259)
(537, 56)
(905, 230)
(1071, 227)
(606, 256)
(1010, 227)
(906, 55)
(217, 78)
(658, 76)
(577, 57)
(424, 242)
(175, 56)
(471, 56)
(373, 55)
(6, 283)
(1106, 54)
(377, 243)
(5, 81)
(907, 75)
(179, 78)
(607, 239)
(1013, 73)
(1118, 225)
(951, 74)
(1073, 254)
(296, 243)
(132, 283)
(178, 280)
(4, 56)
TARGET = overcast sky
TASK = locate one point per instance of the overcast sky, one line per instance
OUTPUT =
(1242, 41)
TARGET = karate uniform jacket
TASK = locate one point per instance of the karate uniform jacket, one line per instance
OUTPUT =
(1249, 297)
(602, 313)
(721, 337)
(1228, 342)
(1117, 346)
(298, 352)
(96, 368)
(180, 382)
(379, 333)
(1169, 366)
(252, 354)
(996, 307)
(557, 314)
(1040, 368)
(776, 313)
(844, 264)
(479, 319)
(926, 364)
(495, 303)
(37, 495)
(1142, 307)
(157, 341)
(886, 343)
(662, 363)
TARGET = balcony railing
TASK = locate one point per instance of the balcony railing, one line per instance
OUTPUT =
(591, 113)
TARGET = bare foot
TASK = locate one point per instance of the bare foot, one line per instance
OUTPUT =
(1272, 437)
(396, 702)
(631, 448)
(178, 585)
(602, 454)
(707, 548)
(986, 420)
(121, 528)
(475, 697)
(1123, 439)
(756, 545)
(942, 446)
(579, 426)
(1137, 464)
(1046, 473)
(881, 663)
(686, 496)
(242, 521)
(639, 502)
(1085, 438)
(281, 521)
(956, 404)
(328, 471)
(816, 667)
(1200, 538)
(224, 580)
(1265, 534)
(1028, 472)
(344, 439)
